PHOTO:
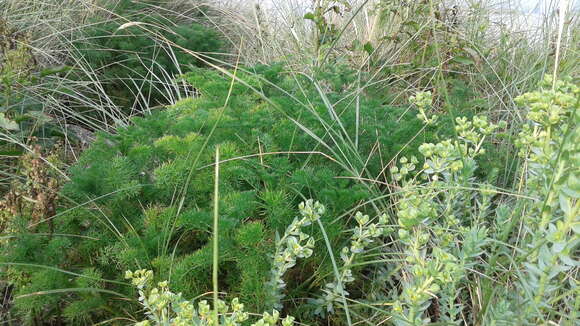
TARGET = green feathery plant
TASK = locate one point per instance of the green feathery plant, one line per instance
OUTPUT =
(126, 202)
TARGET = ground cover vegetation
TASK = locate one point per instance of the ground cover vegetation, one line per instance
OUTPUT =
(331, 162)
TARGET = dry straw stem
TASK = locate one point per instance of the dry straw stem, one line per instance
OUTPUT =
(561, 20)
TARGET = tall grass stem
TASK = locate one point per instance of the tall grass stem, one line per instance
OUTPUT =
(215, 234)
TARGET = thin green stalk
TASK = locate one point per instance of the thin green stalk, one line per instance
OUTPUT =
(215, 235)
(336, 272)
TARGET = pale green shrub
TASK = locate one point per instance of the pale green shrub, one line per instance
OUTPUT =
(453, 233)
(550, 145)
(427, 211)
(294, 244)
(164, 307)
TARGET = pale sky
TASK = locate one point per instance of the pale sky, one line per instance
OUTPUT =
(531, 5)
(524, 5)
(533, 10)
(538, 5)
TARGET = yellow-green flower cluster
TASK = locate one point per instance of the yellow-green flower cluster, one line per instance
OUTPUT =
(423, 100)
(272, 319)
(414, 209)
(365, 233)
(550, 105)
(549, 109)
(311, 211)
(139, 278)
(473, 131)
(406, 168)
(451, 156)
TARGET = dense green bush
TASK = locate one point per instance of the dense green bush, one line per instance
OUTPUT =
(145, 202)
(136, 52)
